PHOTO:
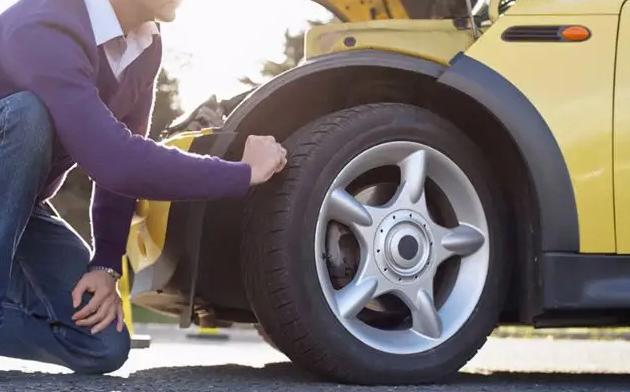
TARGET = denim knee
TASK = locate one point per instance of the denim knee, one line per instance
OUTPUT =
(25, 121)
(117, 347)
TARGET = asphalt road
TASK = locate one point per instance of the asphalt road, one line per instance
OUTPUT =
(244, 363)
(284, 377)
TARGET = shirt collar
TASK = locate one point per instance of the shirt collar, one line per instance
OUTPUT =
(106, 26)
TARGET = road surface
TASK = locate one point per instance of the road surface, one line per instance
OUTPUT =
(177, 363)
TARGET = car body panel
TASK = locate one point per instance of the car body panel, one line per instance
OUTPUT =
(549, 178)
(571, 84)
(362, 10)
(434, 40)
(566, 7)
(569, 70)
(622, 134)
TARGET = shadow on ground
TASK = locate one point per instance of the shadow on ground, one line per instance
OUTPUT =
(286, 377)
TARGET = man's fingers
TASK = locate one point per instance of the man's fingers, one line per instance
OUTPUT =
(280, 159)
(96, 316)
(94, 304)
(281, 165)
(280, 150)
(121, 318)
(102, 309)
(77, 293)
(108, 319)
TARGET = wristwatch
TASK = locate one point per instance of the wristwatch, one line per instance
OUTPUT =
(113, 273)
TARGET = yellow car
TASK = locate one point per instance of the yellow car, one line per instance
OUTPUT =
(453, 166)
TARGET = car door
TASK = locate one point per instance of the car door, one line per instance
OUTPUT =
(621, 139)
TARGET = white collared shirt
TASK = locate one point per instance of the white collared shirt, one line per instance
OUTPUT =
(121, 51)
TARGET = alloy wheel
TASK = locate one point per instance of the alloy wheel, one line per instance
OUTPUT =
(401, 248)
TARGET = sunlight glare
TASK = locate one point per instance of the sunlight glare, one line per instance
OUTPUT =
(214, 43)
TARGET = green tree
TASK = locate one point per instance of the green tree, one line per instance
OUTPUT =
(293, 54)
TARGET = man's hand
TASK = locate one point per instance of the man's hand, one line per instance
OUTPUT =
(103, 308)
(265, 156)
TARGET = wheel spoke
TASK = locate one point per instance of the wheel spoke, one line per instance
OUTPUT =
(345, 209)
(352, 298)
(426, 319)
(413, 175)
(463, 240)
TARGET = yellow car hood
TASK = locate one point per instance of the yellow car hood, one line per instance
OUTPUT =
(361, 10)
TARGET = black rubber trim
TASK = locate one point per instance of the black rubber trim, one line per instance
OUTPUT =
(585, 282)
(538, 146)
(533, 34)
(351, 59)
(539, 33)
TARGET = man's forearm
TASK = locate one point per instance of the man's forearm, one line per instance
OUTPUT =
(111, 217)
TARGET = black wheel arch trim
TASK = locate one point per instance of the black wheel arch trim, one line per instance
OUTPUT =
(528, 129)
(578, 281)
(548, 170)
(358, 58)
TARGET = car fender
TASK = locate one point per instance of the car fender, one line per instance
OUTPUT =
(538, 147)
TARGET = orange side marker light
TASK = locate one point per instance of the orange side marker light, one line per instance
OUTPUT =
(575, 33)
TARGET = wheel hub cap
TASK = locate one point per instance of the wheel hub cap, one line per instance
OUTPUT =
(403, 246)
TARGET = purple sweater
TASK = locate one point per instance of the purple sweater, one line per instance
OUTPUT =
(48, 47)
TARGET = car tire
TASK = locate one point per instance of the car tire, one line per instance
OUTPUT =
(280, 264)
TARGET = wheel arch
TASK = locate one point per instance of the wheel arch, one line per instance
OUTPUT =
(518, 143)
(327, 84)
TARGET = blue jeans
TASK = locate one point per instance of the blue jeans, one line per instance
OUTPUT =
(41, 256)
